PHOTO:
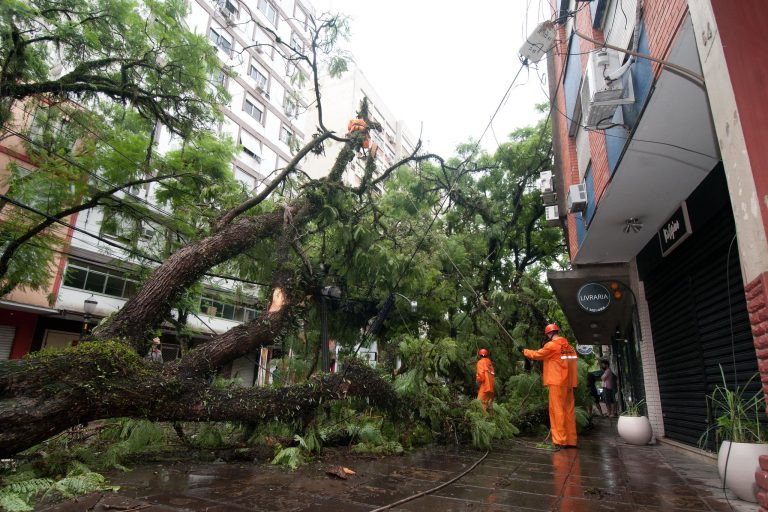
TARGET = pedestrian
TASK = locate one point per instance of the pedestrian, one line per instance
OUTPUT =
(609, 387)
(485, 379)
(594, 405)
(155, 354)
(560, 377)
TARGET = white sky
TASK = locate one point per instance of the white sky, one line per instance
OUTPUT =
(445, 65)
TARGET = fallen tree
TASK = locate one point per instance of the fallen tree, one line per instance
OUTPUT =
(105, 376)
(107, 379)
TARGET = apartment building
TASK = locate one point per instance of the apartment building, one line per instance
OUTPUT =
(660, 187)
(341, 101)
(266, 117)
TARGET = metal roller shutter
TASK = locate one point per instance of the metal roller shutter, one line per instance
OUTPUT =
(694, 328)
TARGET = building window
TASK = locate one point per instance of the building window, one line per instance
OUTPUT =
(228, 8)
(301, 16)
(219, 77)
(269, 11)
(97, 279)
(296, 43)
(251, 147)
(252, 154)
(259, 77)
(289, 106)
(254, 111)
(229, 311)
(220, 41)
(286, 135)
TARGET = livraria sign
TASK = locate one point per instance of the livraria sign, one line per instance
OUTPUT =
(593, 298)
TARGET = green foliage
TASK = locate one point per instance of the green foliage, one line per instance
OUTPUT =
(634, 408)
(582, 419)
(18, 491)
(386, 448)
(737, 412)
(293, 457)
(484, 428)
(109, 45)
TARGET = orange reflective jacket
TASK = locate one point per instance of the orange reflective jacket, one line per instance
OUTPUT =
(485, 375)
(559, 362)
(356, 125)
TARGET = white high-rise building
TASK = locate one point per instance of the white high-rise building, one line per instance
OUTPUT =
(341, 100)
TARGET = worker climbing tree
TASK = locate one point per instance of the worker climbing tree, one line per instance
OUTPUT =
(359, 131)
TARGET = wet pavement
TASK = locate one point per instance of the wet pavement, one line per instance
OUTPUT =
(603, 474)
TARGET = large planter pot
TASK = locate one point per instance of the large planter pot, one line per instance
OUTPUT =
(635, 429)
(742, 461)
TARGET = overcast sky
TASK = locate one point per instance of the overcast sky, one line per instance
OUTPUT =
(443, 66)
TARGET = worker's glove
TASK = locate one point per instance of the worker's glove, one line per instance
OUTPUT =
(521, 349)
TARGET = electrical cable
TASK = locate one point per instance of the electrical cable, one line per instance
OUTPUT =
(434, 489)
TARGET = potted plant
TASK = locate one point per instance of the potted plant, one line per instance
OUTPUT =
(634, 427)
(743, 438)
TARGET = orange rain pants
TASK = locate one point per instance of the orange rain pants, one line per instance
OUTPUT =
(485, 378)
(561, 377)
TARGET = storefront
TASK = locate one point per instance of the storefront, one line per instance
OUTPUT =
(697, 308)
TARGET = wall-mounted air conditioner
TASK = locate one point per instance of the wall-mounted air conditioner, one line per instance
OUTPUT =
(552, 215)
(601, 90)
(546, 184)
(549, 198)
(577, 198)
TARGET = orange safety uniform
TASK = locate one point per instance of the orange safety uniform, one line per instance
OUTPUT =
(485, 378)
(560, 376)
(359, 125)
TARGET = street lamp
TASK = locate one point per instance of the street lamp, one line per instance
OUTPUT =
(89, 308)
(414, 304)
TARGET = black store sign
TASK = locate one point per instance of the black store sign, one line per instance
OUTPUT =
(675, 230)
(593, 298)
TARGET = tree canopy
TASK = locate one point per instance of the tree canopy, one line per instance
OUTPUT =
(462, 236)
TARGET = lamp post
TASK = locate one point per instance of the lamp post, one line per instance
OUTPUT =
(89, 308)
(332, 292)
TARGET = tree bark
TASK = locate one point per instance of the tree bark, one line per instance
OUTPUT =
(146, 310)
(46, 394)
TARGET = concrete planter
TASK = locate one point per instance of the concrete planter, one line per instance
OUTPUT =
(635, 429)
(742, 464)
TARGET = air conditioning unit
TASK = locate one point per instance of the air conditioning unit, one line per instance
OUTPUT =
(546, 184)
(599, 94)
(577, 198)
(147, 233)
(552, 215)
(549, 198)
(225, 13)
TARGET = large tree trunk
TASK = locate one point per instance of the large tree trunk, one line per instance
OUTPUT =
(145, 311)
(46, 394)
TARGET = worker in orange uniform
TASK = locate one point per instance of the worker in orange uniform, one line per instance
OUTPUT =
(485, 377)
(359, 125)
(560, 376)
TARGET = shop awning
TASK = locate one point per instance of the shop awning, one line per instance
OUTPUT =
(596, 327)
(29, 308)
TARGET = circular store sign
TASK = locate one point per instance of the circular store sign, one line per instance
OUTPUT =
(593, 298)
(584, 350)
